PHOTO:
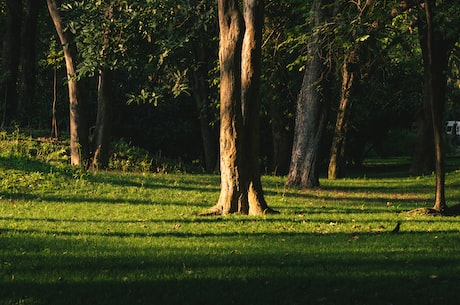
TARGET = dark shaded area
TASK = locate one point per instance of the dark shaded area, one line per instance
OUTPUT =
(302, 277)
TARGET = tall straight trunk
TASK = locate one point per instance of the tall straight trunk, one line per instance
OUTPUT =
(239, 56)
(10, 60)
(28, 61)
(79, 143)
(250, 100)
(311, 112)
(337, 160)
(231, 199)
(103, 128)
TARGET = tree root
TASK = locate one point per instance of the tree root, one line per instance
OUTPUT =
(450, 211)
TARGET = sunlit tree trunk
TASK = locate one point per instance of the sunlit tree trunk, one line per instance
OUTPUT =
(239, 56)
(337, 160)
(250, 99)
(10, 60)
(79, 143)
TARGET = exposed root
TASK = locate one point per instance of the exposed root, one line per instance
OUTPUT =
(425, 211)
(450, 211)
(214, 211)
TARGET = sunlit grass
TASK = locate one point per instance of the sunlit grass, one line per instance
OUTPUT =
(71, 237)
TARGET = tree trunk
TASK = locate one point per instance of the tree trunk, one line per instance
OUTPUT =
(10, 60)
(250, 99)
(28, 62)
(54, 124)
(337, 164)
(239, 56)
(103, 128)
(79, 143)
(311, 113)
(231, 199)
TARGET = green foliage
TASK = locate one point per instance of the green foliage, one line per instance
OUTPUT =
(54, 56)
(18, 145)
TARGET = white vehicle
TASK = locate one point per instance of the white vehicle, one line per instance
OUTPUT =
(453, 132)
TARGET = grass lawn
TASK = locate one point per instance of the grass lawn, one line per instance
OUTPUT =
(115, 238)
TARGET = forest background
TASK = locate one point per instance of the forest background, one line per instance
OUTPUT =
(154, 65)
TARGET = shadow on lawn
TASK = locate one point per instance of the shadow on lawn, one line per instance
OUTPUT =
(262, 276)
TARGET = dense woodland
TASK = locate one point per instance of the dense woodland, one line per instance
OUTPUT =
(337, 81)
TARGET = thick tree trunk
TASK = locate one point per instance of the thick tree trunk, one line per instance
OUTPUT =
(28, 62)
(10, 60)
(79, 142)
(337, 164)
(231, 199)
(250, 99)
(311, 113)
(239, 55)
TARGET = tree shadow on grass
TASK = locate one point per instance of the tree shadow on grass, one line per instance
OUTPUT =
(50, 271)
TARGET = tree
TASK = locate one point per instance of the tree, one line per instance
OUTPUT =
(312, 107)
(239, 57)
(79, 147)
(438, 35)
(103, 128)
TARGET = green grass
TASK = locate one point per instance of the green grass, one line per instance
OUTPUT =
(70, 237)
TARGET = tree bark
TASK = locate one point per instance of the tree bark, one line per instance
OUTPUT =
(103, 128)
(239, 56)
(337, 164)
(231, 199)
(28, 62)
(311, 112)
(10, 60)
(79, 142)
(250, 99)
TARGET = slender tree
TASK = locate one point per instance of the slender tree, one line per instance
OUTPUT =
(437, 43)
(339, 141)
(103, 128)
(79, 146)
(240, 56)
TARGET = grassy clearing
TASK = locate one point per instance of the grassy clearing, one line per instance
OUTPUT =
(69, 237)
